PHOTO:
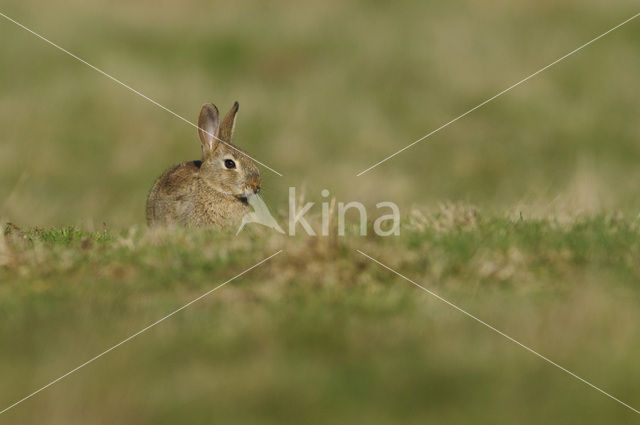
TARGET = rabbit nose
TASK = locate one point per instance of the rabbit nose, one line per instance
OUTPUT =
(255, 184)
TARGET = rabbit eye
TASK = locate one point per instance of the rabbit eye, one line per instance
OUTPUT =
(229, 163)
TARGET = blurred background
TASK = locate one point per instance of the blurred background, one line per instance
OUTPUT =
(326, 90)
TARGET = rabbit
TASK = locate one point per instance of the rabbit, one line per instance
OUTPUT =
(212, 191)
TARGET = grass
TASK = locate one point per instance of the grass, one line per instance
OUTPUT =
(320, 334)
(344, 83)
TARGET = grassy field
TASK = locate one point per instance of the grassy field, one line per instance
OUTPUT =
(319, 333)
(339, 83)
(524, 213)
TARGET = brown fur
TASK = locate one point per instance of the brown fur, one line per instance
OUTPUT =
(206, 192)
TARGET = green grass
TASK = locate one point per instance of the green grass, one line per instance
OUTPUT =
(320, 334)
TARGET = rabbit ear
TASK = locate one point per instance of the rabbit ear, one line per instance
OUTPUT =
(209, 122)
(229, 123)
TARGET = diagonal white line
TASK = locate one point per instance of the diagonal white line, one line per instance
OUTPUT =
(498, 95)
(138, 333)
(133, 90)
(499, 332)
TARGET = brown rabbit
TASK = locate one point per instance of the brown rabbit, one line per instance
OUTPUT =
(210, 192)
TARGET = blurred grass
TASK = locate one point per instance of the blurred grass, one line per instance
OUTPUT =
(340, 83)
(320, 334)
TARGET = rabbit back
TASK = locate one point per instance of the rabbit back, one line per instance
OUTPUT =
(171, 199)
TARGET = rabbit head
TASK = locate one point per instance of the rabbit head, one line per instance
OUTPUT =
(224, 167)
